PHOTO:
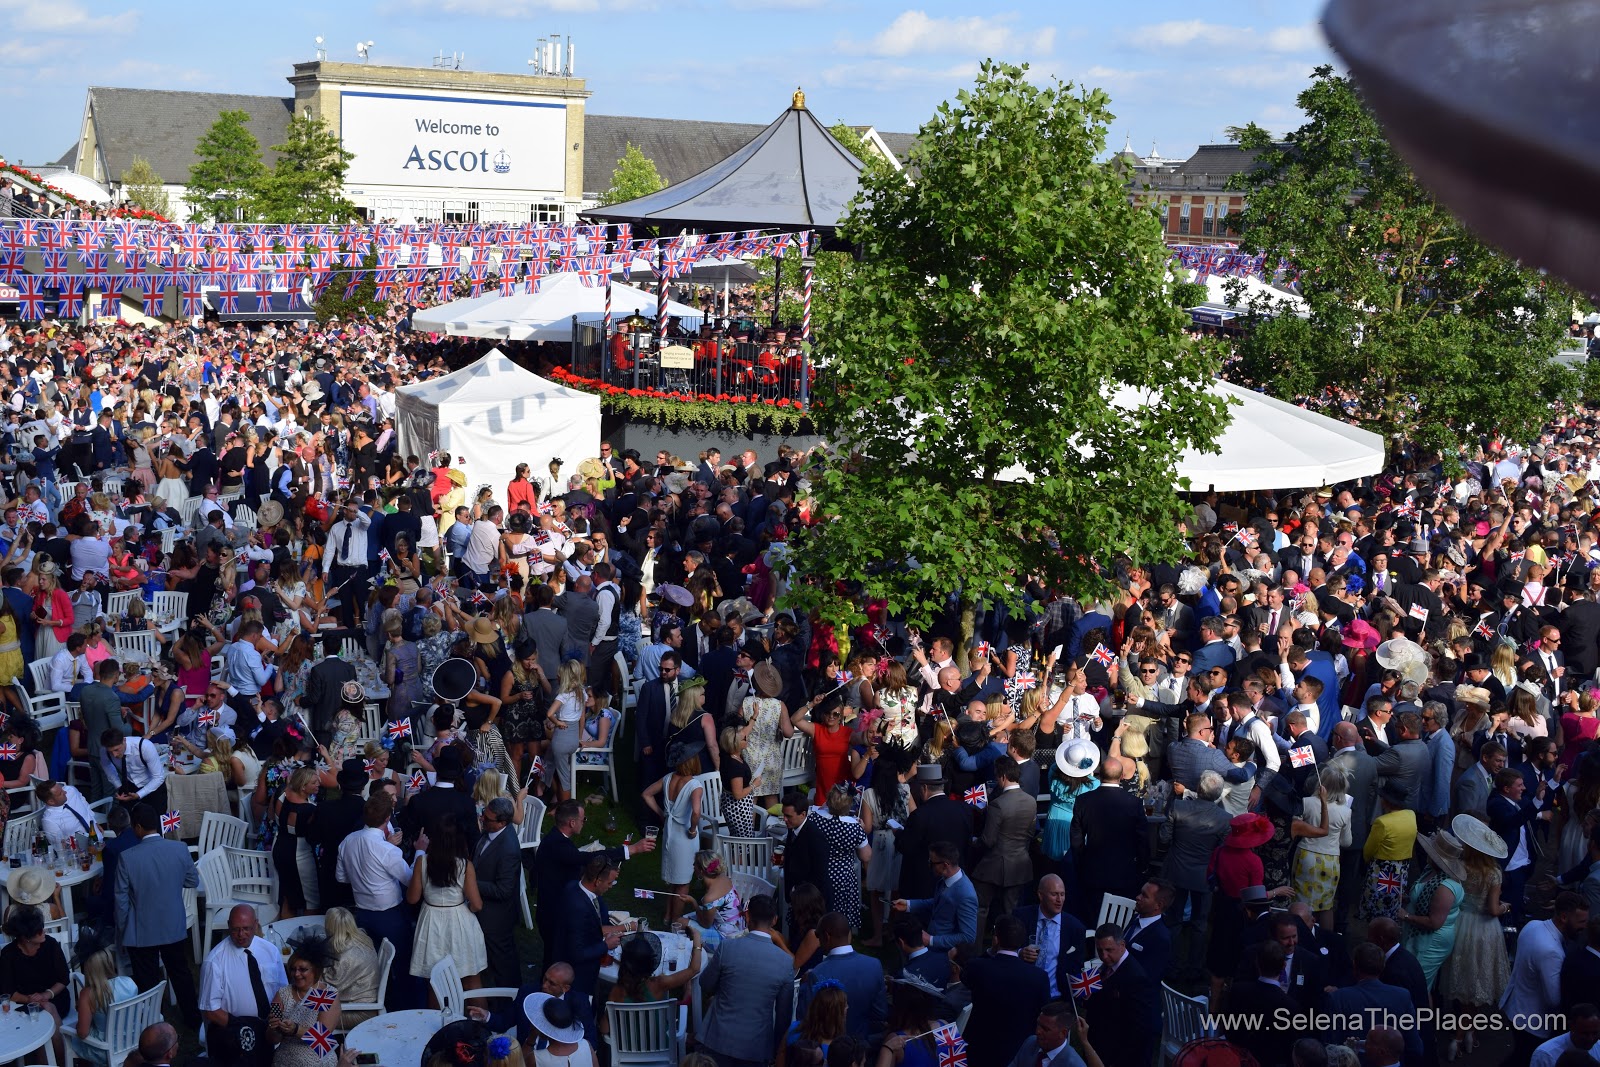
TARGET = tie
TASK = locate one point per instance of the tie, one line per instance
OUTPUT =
(1283, 979)
(344, 547)
(81, 823)
(598, 910)
(257, 987)
(127, 783)
(1044, 1058)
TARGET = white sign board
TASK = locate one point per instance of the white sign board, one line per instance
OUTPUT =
(455, 142)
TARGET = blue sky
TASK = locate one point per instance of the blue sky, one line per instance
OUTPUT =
(1177, 73)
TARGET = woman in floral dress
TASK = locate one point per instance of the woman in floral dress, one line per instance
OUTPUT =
(295, 1010)
(898, 702)
(767, 723)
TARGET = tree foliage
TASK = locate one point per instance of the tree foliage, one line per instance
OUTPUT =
(306, 184)
(1416, 328)
(635, 176)
(227, 170)
(144, 188)
(999, 304)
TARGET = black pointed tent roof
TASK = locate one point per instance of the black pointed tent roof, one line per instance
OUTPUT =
(794, 175)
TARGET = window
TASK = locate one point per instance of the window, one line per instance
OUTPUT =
(548, 212)
(1183, 217)
(1165, 205)
(1209, 225)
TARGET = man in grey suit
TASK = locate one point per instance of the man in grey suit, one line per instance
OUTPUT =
(547, 628)
(866, 997)
(951, 914)
(1476, 783)
(748, 986)
(498, 861)
(1195, 826)
(1005, 866)
(581, 614)
(1361, 771)
(151, 878)
(1051, 1044)
(1406, 762)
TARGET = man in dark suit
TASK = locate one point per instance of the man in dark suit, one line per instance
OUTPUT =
(1408, 761)
(861, 976)
(717, 666)
(652, 721)
(938, 817)
(1194, 828)
(324, 692)
(1361, 771)
(1004, 865)
(1262, 1000)
(1128, 1002)
(1400, 968)
(498, 862)
(1512, 816)
(1302, 736)
(558, 864)
(445, 799)
(1307, 972)
(1149, 938)
(1055, 937)
(1007, 995)
(706, 473)
(805, 852)
(335, 821)
(916, 957)
(584, 936)
(1370, 997)
(1580, 630)
(1109, 844)
(1580, 970)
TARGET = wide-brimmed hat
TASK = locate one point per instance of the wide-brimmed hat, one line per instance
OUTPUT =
(1445, 852)
(351, 692)
(1361, 634)
(768, 682)
(1475, 834)
(1078, 759)
(453, 679)
(1475, 695)
(482, 630)
(644, 945)
(1405, 656)
(553, 1018)
(31, 885)
(270, 513)
(676, 594)
(1248, 830)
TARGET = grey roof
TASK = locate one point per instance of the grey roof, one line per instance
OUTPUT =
(163, 126)
(794, 175)
(680, 148)
(899, 143)
(1218, 160)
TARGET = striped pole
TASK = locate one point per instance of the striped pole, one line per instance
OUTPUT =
(605, 325)
(661, 297)
(805, 311)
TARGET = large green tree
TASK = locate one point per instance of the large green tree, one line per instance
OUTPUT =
(226, 171)
(635, 176)
(1416, 328)
(144, 188)
(307, 182)
(1010, 307)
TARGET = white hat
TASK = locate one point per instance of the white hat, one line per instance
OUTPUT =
(1078, 759)
(1474, 833)
(552, 1017)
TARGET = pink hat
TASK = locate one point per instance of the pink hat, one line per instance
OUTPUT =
(1360, 634)
(1481, 530)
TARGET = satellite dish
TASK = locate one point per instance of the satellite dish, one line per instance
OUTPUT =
(319, 38)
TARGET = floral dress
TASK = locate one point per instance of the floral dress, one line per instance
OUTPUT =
(899, 709)
(1014, 688)
(432, 651)
(1477, 969)
(294, 1052)
(764, 751)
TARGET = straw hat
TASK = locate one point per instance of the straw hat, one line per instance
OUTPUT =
(1475, 834)
(768, 682)
(270, 513)
(482, 630)
(1445, 852)
(1477, 696)
(31, 885)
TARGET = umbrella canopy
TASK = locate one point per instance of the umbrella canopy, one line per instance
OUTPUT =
(705, 272)
(794, 175)
(545, 315)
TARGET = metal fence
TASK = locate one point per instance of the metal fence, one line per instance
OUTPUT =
(712, 366)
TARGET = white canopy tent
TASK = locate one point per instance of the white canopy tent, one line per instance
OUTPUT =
(1268, 444)
(545, 315)
(492, 415)
(1280, 300)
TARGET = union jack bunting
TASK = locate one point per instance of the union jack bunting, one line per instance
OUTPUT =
(193, 300)
(70, 300)
(170, 822)
(53, 267)
(94, 267)
(228, 297)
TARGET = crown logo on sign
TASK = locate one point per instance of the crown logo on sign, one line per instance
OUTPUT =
(502, 162)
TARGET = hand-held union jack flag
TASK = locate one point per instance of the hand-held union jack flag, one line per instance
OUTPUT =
(977, 796)
(845, 678)
(1103, 656)
(418, 781)
(320, 1038)
(1025, 679)
(170, 821)
(1302, 757)
(644, 894)
(8, 751)
(207, 717)
(321, 999)
(981, 650)
(400, 728)
(951, 1046)
(1086, 983)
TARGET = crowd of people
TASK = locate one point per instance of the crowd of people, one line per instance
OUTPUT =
(1336, 762)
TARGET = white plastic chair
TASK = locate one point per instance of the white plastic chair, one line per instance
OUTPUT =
(187, 509)
(746, 855)
(117, 603)
(244, 516)
(50, 710)
(446, 982)
(750, 886)
(169, 540)
(646, 1034)
(627, 698)
(223, 890)
(531, 832)
(65, 931)
(139, 646)
(385, 965)
(522, 896)
(1115, 909)
(171, 603)
(351, 649)
(607, 769)
(796, 760)
(125, 1021)
(20, 831)
(710, 802)
(1183, 1021)
(218, 831)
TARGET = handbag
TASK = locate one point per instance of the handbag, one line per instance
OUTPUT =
(242, 1041)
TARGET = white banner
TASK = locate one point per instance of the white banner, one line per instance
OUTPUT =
(454, 142)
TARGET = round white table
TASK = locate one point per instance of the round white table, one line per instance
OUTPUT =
(21, 1034)
(675, 950)
(66, 880)
(396, 1037)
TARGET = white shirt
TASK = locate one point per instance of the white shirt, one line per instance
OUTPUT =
(1548, 1053)
(142, 759)
(66, 670)
(225, 977)
(1535, 985)
(356, 554)
(60, 824)
(482, 547)
(375, 870)
(208, 506)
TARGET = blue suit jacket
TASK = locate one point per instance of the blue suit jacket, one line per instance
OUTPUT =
(1070, 954)
(950, 915)
(1213, 654)
(579, 939)
(1152, 947)
(932, 967)
(151, 878)
(862, 978)
(1379, 999)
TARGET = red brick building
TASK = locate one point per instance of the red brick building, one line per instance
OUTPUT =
(1192, 194)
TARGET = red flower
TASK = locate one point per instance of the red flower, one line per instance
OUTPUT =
(770, 402)
(909, 361)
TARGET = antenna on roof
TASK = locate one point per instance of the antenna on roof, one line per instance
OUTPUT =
(364, 49)
(322, 53)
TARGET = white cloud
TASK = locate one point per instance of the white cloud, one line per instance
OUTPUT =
(1161, 36)
(516, 9)
(777, 5)
(1264, 75)
(64, 16)
(880, 76)
(918, 33)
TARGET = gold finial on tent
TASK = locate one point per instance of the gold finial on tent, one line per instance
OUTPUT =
(799, 100)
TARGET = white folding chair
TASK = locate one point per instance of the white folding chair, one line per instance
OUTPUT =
(218, 831)
(1115, 909)
(125, 1021)
(20, 831)
(117, 603)
(173, 604)
(627, 698)
(606, 765)
(531, 832)
(187, 509)
(710, 802)
(65, 931)
(646, 1034)
(372, 720)
(351, 649)
(169, 540)
(750, 886)
(385, 964)
(50, 710)
(139, 646)
(244, 516)
(446, 982)
(522, 896)
(746, 855)
(1183, 1020)
(224, 889)
(796, 760)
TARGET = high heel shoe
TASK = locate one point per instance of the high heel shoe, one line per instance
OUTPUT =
(1452, 1050)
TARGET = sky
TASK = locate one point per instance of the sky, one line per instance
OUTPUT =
(1177, 74)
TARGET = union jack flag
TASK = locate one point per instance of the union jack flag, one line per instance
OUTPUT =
(170, 821)
(977, 796)
(1086, 983)
(1025, 679)
(1230, 527)
(320, 1038)
(194, 301)
(94, 267)
(418, 781)
(30, 297)
(369, 765)
(8, 751)
(1247, 538)
(153, 291)
(1418, 612)
(1407, 510)
(644, 894)
(1484, 630)
(70, 300)
(981, 650)
(228, 297)
(1103, 656)
(400, 728)
(321, 999)
(1389, 882)
(845, 678)
(952, 1048)
(1302, 757)
(207, 717)
(54, 268)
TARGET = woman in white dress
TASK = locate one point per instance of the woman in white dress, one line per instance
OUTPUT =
(446, 885)
(172, 486)
(679, 801)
